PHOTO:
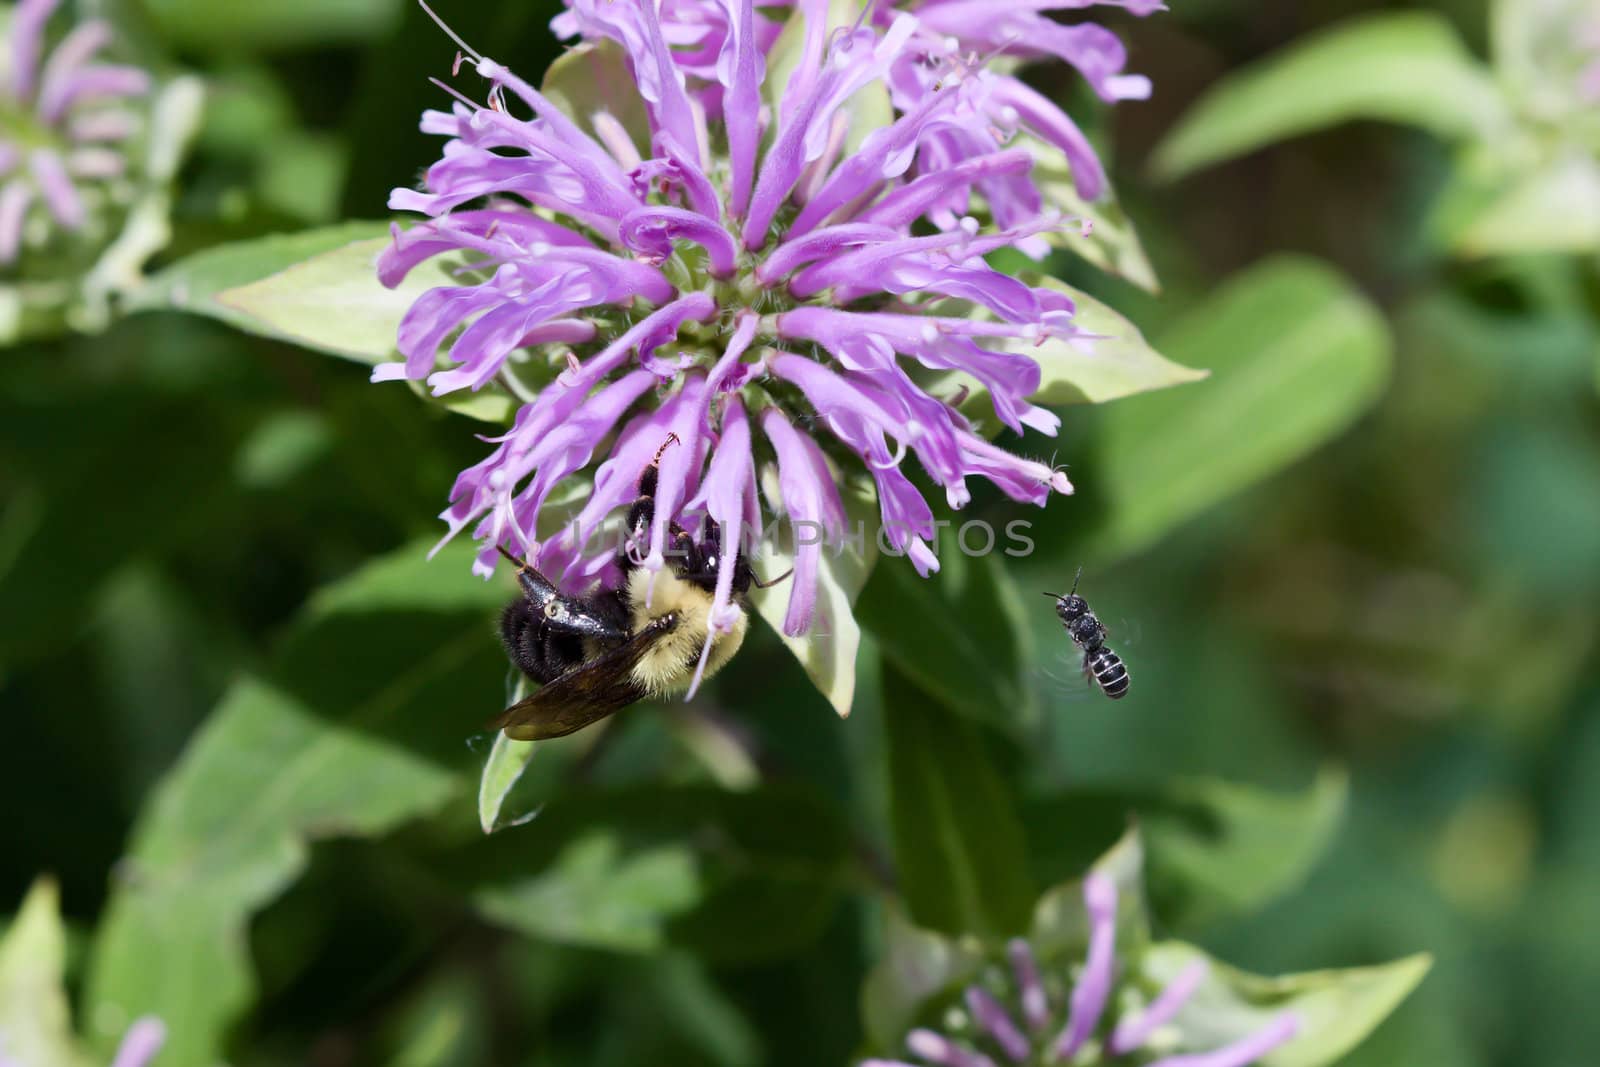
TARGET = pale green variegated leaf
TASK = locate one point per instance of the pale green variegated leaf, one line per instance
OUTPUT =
(1554, 208)
(1112, 362)
(333, 301)
(507, 760)
(193, 284)
(1334, 1010)
(1111, 243)
(1406, 67)
(1115, 362)
(35, 1025)
(358, 725)
(594, 895)
(828, 652)
(594, 77)
(1296, 354)
(317, 288)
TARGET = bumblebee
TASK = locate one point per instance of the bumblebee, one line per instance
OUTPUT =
(595, 655)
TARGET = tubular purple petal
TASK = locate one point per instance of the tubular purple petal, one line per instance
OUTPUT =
(1242, 1052)
(1094, 984)
(988, 1014)
(1132, 1033)
(809, 496)
(742, 106)
(941, 1051)
(141, 1043)
(1030, 990)
(651, 230)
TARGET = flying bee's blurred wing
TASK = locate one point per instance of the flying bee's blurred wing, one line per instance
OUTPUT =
(585, 694)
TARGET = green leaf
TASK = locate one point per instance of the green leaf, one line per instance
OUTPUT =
(1214, 848)
(958, 634)
(316, 288)
(767, 864)
(1334, 1009)
(507, 760)
(281, 24)
(1553, 208)
(333, 302)
(1296, 354)
(958, 844)
(1112, 244)
(1406, 67)
(595, 896)
(35, 1028)
(594, 77)
(1223, 848)
(358, 728)
(1117, 362)
(828, 652)
(194, 284)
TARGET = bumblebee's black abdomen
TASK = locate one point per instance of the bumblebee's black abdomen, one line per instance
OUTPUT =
(1109, 673)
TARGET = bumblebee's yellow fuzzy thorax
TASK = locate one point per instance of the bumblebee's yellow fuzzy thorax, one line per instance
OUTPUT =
(668, 667)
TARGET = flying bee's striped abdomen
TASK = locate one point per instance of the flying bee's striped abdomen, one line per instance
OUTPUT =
(1109, 673)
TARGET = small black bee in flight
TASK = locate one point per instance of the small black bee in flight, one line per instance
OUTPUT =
(1086, 631)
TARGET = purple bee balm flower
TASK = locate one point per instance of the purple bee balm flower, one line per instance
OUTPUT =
(63, 120)
(992, 1034)
(743, 283)
(951, 43)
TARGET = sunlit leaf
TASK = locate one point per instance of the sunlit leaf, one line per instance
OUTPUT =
(1296, 354)
(1555, 208)
(35, 1028)
(1406, 67)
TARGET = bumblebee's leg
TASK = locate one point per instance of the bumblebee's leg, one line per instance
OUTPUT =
(523, 637)
(552, 608)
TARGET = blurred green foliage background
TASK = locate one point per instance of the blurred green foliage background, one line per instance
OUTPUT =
(1371, 540)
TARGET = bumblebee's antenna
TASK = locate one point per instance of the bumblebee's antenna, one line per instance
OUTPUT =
(1075, 581)
(672, 439)
(1058, 596)
(759, 584)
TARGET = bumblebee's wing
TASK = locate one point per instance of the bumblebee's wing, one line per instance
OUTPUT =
(585, 694)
